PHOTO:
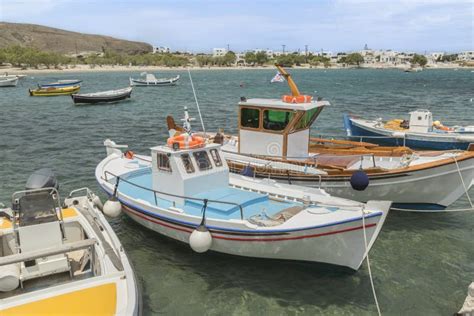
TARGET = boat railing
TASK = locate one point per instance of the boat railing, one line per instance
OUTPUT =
(361, 138)
(35, 254)
(155, 192)
(304, 160)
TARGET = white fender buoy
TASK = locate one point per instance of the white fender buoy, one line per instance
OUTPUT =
(9, 277)
(112, 207)
(200, 239)
(98, 203)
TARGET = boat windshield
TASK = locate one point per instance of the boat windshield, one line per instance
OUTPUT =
(307, 119)
(276, 120)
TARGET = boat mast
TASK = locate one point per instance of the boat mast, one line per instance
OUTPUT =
(294, 89)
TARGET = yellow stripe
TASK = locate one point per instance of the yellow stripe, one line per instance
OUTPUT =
(99, 300)
(5, 223)
(68, 212)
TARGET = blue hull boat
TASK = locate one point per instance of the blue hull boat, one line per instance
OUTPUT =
(419, 132)
(61, 84)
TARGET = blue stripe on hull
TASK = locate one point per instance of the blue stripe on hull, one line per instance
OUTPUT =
(419, 206)
(356, 131)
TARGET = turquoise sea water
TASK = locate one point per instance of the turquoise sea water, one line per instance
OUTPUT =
(421, 263)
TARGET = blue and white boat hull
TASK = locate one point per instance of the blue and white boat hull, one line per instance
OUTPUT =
(316, 234)
(371, 131)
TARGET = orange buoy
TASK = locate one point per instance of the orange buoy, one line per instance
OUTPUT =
(129, 154)
(297, 99)
(185, 141)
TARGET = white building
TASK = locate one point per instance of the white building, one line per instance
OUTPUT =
(466, 56)
(160, 49)
(219, 52)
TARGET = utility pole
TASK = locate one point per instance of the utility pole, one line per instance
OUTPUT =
(306, 53)
(228, 48)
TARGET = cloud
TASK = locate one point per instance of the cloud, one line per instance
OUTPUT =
(202, 25)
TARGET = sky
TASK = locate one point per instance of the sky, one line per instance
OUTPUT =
(199, 26)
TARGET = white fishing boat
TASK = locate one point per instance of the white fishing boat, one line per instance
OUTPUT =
(8, 81)
(62, 259)
(274, 141)
(184, 191)
(420, 131)
(150, 80)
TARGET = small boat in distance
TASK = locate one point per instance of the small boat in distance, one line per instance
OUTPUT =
(62, 257)
(61, 84)
(420, 131)
(10, 81)
(52, 91)
(151, 80)
(102, 97)
(184, 191)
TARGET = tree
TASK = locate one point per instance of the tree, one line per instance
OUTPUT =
(261, 58)
(419, 59)
(250, 58)
(230, 58)
(352, 59)
(285, 60)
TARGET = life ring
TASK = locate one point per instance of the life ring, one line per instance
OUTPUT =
(186, 141)
(297, 99)
(129, 154)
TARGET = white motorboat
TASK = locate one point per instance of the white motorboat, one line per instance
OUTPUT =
(62, 259)
(150, 80)
(184, 191)
(10, 81)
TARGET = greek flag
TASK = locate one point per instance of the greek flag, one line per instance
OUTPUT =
(278, 78)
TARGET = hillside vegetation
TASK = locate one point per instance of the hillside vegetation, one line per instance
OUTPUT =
(54, 40)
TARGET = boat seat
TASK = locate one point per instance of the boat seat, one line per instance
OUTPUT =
(41, 237)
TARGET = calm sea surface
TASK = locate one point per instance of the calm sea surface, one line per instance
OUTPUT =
(422, 263)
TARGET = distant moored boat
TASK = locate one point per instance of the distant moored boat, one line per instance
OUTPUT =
(53, 91)
(10, 81)
(151, 80)
(61, 83)
(102, 97)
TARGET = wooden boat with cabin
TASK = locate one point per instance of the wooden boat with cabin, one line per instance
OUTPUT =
(274, 142)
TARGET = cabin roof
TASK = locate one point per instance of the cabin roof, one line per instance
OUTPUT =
(278, 103)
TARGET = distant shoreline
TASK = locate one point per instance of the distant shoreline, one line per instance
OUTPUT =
(134, 69)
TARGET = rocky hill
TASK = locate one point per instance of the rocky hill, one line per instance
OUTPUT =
(64, 42)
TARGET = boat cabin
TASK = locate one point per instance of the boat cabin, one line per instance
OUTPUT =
(421, 121)
(276, 127)
(188, 172)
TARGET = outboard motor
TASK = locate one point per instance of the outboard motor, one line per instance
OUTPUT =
(42, 178)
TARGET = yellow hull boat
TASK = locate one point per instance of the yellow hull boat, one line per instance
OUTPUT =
(47, 92)
(62, 258)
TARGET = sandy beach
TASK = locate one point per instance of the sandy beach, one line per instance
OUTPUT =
(134, 69)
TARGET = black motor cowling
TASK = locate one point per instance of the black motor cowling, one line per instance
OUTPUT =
(42, 178)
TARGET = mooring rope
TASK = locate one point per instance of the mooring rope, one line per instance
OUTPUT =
(368, 263)
(466, 191)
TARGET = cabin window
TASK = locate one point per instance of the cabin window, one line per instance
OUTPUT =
(202, 160)
(163, 162)
(275, 120)
(216, 157)
(250, 118)
(307, 119)
(188, 163)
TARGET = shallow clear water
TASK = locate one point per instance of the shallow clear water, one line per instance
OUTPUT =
(422, 263)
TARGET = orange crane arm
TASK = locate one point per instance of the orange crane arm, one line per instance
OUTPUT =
(294, 89)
